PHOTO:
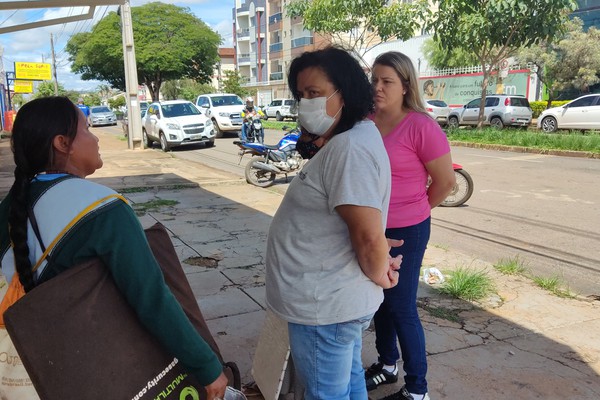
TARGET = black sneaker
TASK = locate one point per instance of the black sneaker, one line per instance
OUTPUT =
(375, 375)
(403, 394)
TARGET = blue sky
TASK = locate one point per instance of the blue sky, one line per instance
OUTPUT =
(34, 45)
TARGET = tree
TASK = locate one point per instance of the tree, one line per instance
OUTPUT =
(232, 83)
(170, 43)
(104, 92)
(360, 24)
(46, 88)
(117, 102)
(495, 29)
(439, 58)
(187, 89)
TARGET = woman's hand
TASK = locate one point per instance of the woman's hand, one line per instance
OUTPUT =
(216, 390)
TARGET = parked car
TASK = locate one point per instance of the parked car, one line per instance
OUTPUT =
(581, 113)
(282, 108)
(439, 110)
(224, 110)
(175, 123)
(500, 110)
(143, 107)
(101, 115)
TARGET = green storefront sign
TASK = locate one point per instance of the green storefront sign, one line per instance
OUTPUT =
(457, 90)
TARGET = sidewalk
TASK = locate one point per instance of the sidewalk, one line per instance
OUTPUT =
(523, 344)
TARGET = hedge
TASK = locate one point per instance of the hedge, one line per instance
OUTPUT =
(539, 106)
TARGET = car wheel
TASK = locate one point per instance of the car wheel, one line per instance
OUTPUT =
(218, 131)
(497, 123)
(147, 142)
(278, 116)
(210, 143)
(453, 122)
(549, 124)
(164, 145)
(266, 117)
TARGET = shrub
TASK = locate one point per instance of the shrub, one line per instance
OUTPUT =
(539, 106)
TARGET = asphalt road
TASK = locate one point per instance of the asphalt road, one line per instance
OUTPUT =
(543, 209)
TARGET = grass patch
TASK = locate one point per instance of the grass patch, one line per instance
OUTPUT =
(272, 124)
(153, 205)
(138, 189)
(443, 313)
(468, 284)
(511, 266)
(563, 140)
(554, 285)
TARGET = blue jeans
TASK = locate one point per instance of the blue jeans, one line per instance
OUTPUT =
(328, 359)
(260, 135)
(397, 319)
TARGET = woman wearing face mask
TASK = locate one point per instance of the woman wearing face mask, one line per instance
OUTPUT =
(327, 256)
(418, 148)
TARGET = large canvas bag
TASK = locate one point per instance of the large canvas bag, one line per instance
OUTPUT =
(79, 339)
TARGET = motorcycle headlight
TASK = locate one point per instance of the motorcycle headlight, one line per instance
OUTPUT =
(173, 125)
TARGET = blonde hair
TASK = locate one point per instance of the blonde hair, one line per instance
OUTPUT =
(406, 72)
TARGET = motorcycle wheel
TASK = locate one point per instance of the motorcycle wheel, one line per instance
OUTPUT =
(461, 192)
(256, 176)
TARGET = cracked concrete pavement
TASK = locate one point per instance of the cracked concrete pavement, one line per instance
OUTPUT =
(522, 343)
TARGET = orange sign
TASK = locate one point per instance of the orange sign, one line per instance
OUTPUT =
(33, 71)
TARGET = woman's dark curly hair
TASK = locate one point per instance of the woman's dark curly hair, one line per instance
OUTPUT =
(36, 125)
(346, 75)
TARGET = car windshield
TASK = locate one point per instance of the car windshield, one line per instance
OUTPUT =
(437, 103)
(179, 110)
(100, 110)
(227, 101)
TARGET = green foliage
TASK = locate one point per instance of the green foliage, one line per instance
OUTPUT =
(554, 285)
(232, 83)
(563, 140)
(18, 100)
(92, 99)
(46, 88)
(571, 61)
(511, 266)
(186, 89)
(495, 29)
(437, 57)
(170, 43)
(117, 102)
(358, 24)
(539, 106)
(468, 284)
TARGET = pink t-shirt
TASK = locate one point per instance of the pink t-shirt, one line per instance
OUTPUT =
(414, 142)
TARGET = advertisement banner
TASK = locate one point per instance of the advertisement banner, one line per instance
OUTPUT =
(33, 71)
(457, 90)
(23, 86)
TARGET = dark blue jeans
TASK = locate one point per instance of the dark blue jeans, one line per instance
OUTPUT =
(397, 320)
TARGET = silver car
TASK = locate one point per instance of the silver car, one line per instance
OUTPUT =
(500, 110)
(439, 110)
(101, 115)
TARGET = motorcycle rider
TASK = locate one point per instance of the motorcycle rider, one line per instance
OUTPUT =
(247, 114)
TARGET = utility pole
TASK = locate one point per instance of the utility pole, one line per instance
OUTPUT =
(54, 65)
(131, 81)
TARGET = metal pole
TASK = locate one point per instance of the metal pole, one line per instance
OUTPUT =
(131, 82)
(54, 66)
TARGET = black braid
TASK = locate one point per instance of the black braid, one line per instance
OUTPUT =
(34, 129)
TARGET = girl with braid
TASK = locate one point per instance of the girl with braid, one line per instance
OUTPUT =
(54, 151)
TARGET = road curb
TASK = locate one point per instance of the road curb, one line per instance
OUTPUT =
(522, 149)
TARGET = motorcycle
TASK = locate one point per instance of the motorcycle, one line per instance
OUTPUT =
(269, 161)
(462, 191)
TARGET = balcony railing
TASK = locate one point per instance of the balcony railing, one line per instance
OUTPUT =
(275, 18)
(276, 76)
(244, 58)
(276, 47)
(243, 32)
(302, 41)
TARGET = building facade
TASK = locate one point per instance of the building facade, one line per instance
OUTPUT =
(265, 41)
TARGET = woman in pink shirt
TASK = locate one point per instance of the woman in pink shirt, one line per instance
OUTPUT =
(417, 148)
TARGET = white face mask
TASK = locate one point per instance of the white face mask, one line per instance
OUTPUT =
(312, 114)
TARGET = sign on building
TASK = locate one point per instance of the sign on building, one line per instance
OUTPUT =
(33, 71)
(23, 86)
(457, 90)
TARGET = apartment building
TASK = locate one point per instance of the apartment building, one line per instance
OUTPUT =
(265, 41)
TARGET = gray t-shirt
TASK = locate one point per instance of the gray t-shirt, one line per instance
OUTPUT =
(313, 276)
